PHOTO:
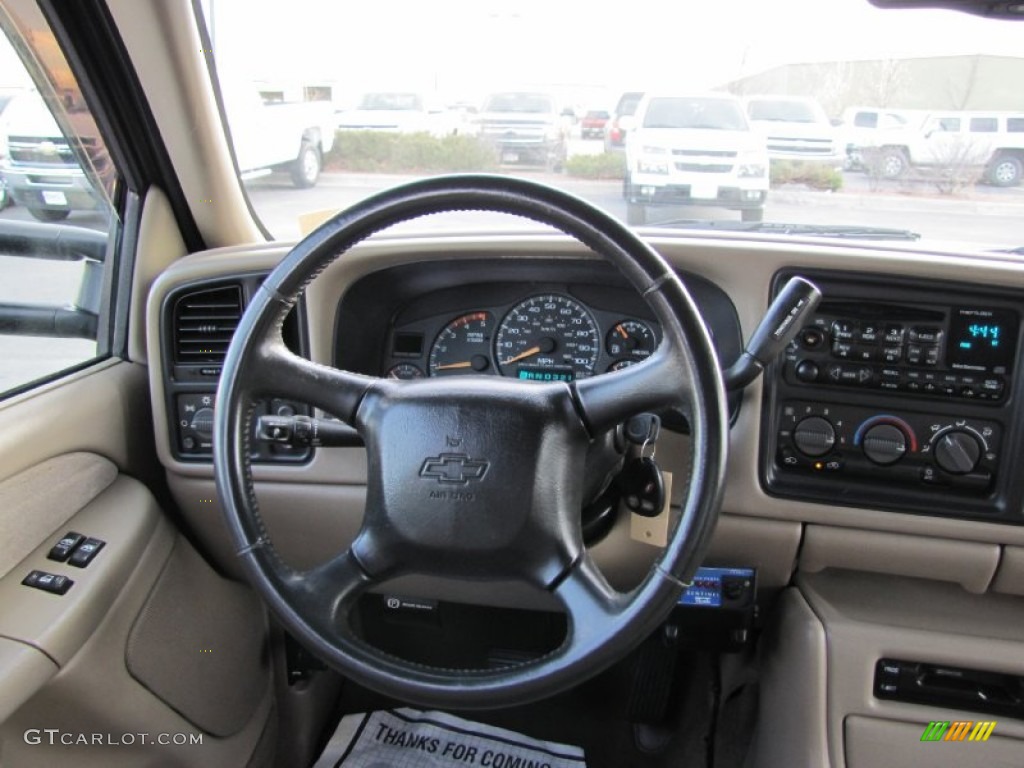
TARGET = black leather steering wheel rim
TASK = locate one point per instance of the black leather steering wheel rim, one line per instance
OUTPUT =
(534, 537)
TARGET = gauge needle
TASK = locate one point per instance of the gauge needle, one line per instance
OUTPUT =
(521, 355)
(622, 331)
(448, 366)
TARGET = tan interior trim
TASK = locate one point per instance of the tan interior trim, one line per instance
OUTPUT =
(23, 671)
(159, 233)
(970, 564)
(1010, 576)
(38, 501)
(161, 36)
(127, 518)
(871, 616)
(111, 393)
(791, 729)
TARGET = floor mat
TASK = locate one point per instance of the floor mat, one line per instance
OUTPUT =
(401, 738)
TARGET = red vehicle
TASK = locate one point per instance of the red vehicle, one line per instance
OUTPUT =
(593, 123)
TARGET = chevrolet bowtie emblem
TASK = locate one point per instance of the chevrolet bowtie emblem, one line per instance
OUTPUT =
(454, 468)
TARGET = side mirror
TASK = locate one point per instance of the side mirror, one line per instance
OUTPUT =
(836, 122)
(627, 122)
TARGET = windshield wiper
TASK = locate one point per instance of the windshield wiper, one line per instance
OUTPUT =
(816, 230)
(1018, 251)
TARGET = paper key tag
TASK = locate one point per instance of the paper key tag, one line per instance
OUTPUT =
(653, 530)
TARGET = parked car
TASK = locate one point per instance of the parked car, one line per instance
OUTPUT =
(41, 169)
(694, 150)
(863, 126)
(399, 112)
(593, 124)
(525, 127)
(621, 120)
(293, 137)
(795, 128)
(988, 144)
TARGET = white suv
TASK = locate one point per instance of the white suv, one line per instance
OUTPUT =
(694, 150)
(795, 128)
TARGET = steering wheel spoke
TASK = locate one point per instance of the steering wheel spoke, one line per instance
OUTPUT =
(282, 373)
(612, 398)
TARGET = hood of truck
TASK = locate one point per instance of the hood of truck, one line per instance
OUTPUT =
(695, 141)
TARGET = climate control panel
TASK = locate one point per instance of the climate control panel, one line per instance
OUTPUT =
(903, 447)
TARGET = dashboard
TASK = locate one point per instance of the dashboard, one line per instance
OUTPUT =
(864, 458)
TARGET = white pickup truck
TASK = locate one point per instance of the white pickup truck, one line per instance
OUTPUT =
(291, 136)
(43, 173)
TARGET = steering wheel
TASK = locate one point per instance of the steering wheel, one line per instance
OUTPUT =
(509, 507)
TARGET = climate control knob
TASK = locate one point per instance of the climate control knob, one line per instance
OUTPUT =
(814, 436)
(884, 444)
(957, 452)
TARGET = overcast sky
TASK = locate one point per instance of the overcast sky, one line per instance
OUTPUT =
(468, 47)
(479, 45)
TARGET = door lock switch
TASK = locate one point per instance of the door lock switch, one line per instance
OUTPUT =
(54, 583)
(62, 550)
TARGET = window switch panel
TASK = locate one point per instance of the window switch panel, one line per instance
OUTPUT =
(85, 552)
(48, 582)
(62, 549)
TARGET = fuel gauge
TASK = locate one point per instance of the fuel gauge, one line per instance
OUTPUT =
(630, 339)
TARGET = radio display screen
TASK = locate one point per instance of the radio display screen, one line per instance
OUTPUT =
(982, 339)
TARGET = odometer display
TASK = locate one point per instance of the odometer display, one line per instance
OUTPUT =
(547, 332)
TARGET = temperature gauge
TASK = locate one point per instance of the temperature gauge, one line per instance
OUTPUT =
(405, 371)
(631, 339)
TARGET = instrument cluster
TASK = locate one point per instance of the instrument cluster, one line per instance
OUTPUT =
(543, 335)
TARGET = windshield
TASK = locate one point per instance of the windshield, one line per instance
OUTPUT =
(518, 102)
(714, 114)
(782, 111)
(348, 99)
(398, 101)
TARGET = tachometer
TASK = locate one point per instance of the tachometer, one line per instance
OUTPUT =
(547, 338)
(463, 346)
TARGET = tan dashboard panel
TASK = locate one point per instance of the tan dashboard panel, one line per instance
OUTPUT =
(868, 617)
(970, 564)
(36, 502)
(743, 269)
(1010, 576)
(874, 743)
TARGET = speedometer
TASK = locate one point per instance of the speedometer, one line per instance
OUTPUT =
(547, 338)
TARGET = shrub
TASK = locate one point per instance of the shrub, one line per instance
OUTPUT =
(813, 175)
(379, 152)
(610, 165)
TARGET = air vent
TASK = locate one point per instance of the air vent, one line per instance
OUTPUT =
(204, 322)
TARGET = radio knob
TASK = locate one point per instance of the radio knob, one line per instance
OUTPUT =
(807, 371)
(884, 444)
(814, 436)
(957, 452)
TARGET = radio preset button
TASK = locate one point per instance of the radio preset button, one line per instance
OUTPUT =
(893, 334)
(925, 334)
(844, 330)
